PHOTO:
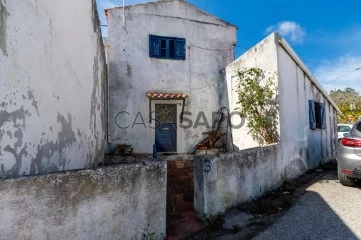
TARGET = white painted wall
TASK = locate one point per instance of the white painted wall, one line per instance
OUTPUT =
(264, 56)
(209, 48)
(300, 147)
(52, 81)
(300, 144)
(235, 178)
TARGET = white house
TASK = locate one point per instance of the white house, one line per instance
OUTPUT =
(307, 115)
(166, 67)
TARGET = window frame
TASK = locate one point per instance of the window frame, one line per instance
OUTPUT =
(161, 47)
(317, 115)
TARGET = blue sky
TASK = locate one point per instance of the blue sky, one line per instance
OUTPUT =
(325, 34)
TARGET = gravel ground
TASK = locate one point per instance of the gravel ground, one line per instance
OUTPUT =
(314, 206)
(328, 210)
(265, 210)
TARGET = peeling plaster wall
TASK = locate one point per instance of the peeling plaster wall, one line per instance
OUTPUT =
(108, 203)
(209, 48)
(52, 87)
(223, 181)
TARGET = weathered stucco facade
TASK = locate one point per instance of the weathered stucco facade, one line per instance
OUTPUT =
(52, 87)
(53, 117)
(301, 144)
(118, 202)
(226, 180)
(223, 181)
(301, 147)
(132, 72)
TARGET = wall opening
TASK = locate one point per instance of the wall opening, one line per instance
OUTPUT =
(166, 127)
(181, 218)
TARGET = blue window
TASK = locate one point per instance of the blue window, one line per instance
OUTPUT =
(167, 47)
(317, 115)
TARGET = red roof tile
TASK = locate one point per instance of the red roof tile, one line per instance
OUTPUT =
(166, 95)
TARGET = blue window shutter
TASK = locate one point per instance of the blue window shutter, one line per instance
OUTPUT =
(180, 48)
(312, 114)
(323, 116)
(154, 46)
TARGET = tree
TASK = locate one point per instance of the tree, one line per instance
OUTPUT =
(349, 102)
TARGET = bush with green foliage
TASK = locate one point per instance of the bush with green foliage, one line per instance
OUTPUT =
(258, 100)
(349, 102)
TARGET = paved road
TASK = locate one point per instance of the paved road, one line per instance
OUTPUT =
(327, 211)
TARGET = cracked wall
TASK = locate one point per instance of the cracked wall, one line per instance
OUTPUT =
(52, 83)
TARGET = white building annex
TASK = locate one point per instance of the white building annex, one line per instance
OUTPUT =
(306, 140)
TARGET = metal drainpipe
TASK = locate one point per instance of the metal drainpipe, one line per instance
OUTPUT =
(108, 130)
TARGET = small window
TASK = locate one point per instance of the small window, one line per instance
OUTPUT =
(167, 47)
(317, 115)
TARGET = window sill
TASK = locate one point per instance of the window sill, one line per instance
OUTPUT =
(318, 129)
(171, 59)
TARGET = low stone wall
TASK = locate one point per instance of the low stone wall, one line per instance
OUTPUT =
(117, 202)
(224, 181)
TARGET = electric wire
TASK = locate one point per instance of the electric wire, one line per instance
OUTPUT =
(344, 75)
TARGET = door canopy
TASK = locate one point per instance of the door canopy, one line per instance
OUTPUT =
(161, 95)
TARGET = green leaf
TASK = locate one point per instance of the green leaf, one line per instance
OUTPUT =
(257, 101)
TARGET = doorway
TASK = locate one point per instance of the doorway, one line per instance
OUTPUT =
(166, 127)
(181, 218)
